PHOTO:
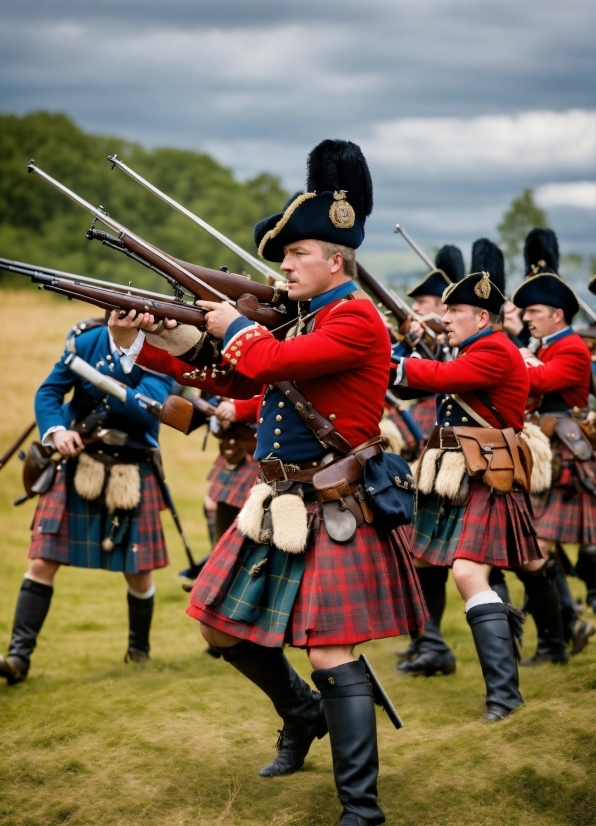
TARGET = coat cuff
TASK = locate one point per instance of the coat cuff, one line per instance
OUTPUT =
(232, 351)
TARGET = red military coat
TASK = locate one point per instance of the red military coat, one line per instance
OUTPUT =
(566, 369)
(342, 367)
(491, 363)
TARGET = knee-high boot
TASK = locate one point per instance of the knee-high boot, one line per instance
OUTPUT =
(294, 700)
(493, 638)
(350, 712)
(32, 608)
(140, 614)
(544, 604)
(586, 571)
(433, 652)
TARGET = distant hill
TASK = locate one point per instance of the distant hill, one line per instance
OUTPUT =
(42, 226)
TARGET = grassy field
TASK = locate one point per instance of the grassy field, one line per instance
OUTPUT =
(90, 740)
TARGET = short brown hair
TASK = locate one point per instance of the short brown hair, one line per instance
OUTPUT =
(347, 253)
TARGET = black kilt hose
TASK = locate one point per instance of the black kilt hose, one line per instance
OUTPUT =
(69, 529)
(491, 528)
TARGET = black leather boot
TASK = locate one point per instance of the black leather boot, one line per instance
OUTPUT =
(411, 650)
(32, 608)
(350, 712)
(493, 638)
(294, 700)
(544, 604)
(434, 654)
(498, 583)
(586, 571)
(140, 614)
(575, 630)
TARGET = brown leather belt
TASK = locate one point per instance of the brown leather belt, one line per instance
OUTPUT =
(274, 470)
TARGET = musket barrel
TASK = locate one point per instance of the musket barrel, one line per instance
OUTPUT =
(414, 245)
(241, 253)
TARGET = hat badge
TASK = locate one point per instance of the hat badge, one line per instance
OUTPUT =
(342, 213)
(482, 288)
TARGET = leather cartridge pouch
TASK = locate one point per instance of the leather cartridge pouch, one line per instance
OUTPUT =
(39, 470)
(341, 496)
(493, 454)
(570, 433)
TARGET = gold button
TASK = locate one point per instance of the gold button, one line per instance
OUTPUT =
(331, 680)
(277, 431)
(264, 403)
(314, 464)
(276, 445)
(278, 418)
(261, 420)
(280, 404)
(464, 418)
(332, 416)
(270, 387)
(449, 407)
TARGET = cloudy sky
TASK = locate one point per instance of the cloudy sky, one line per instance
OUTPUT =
(458, 104)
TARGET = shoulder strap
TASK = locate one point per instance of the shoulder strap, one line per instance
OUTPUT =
(324, 430)
(485, 399)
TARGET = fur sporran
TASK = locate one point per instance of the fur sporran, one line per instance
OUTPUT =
(391, 433)
(443, 472)
(281, 519)
(89, 478)
(123, 491)
(539, 444)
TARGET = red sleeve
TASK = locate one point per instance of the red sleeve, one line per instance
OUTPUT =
(247, 409)
(478, 369)
(231, 384)
(343, 341)
(568, 368)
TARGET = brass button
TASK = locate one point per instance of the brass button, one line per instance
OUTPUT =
(449, 407)
(281, 404)
(261, 420)
(314, 464)
(276, 445)
(263, 403)
(332, 416)
(331, 680)
(278, 418)
(277, 431)
(464, 418)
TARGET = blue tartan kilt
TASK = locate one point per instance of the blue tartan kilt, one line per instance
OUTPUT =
(69, 529)
(491, 528)
(232, 486)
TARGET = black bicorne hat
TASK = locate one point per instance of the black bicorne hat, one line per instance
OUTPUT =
(487, 257)
(592, 284)
(450, 268)
(476, 289)
(334, 208)
(541, 252)
(547, 288)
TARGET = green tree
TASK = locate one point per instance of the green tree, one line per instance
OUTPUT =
(40, 225)
(522, 215)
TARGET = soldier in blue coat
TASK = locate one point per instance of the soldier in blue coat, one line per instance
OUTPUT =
(102, 510)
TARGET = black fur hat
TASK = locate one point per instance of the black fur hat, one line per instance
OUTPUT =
(451, 261)
(338, 200)
(592, 284)
(541, 251)
(547, 288)
(487, 257)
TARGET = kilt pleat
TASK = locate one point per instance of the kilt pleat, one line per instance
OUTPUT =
(362, 590)
(69, 529)
(232, 486)
(424, 413)
(493, 529)
(567, 512)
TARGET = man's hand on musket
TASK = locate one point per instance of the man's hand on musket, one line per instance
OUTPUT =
(219, 316)
(125, 330)
(67, 442)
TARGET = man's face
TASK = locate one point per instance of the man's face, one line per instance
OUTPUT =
(429, 305)
(308, 272)
(543, 321)
(463, 321)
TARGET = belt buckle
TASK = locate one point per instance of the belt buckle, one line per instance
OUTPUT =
(272, 463)
(453, 436)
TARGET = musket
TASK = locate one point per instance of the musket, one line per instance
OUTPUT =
(398, 228)
(16, 445)
(427, 346)
(201, 282)
(258, 265)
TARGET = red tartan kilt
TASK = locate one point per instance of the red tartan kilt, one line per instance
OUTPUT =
(151, 552)
(363, 590)
(424, 413)
(561, 519)
(232, 486)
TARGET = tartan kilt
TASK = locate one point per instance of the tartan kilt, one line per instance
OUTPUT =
(362, 590)
(398, 421)
(424, 413)
(567, 512)
(491, 528)
(232, 486)
(69, 529)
